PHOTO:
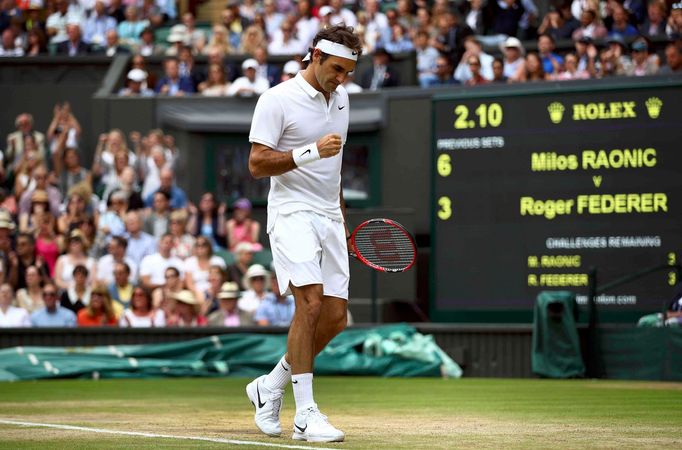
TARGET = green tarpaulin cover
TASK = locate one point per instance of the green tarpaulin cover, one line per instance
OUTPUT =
(556, 347)
(394, 350)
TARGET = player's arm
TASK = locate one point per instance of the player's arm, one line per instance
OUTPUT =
(266, 162)
(342, 203)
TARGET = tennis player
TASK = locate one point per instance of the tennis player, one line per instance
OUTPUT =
(297, 135)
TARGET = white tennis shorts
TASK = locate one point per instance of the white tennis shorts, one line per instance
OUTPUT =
(309, 248)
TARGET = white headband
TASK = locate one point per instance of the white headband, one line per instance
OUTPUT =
(332, 48)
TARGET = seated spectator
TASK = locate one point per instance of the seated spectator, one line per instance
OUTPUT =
(244, 256)
(426, 58)
(156, 222)
(284, 42)
(77, 295)
(30, 160)
(153, 267)
(106, 265)
(559, 23)
(273, 18)
(99, 312)
(551, 62)
(216, 278)
(590, 26)
(220, 40)
(47, 245)
(129, 30)
(30, 297)
(216, 85)
(16, 142)
(112, 46)
(234, 23)
(475, 67)
(151, 11)
(183, 242)
(140, 244)
(36, 42)
(399, 40)
(68, 168)
(196, 37)
(97, 25)
(172, 83)
(265, 69)
(250, 83)
(162, 297)
(196, 267)
(256, 282)
(472, 47)
(674, 27)
(291, 69)
(141, 314)
(474, 16)
(11, 316)
(505, 16)
(514, 62)
(533, 70)
(75, 256)
(673, 58)
(642, 63)
(187, 311)
(444, 73)
(76, 212)
(187, 68)
(52, 314)
(498, 71)
(276, 310)
(621, 26)
(111, 222)
(57, 22)
(121, 290)
(242, 228)
(229, 315)
(40, 205)
(9, 47)
(24, 258)
(307, 24)
(381, 74)
(177, 196)
(74, 45)
(208, 220)
(350, 85)
(147, 45)
(342, 14)
(570, 71)
(253, 38)
(654, 24)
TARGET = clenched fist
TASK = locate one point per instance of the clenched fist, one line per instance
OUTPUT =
(329, 145)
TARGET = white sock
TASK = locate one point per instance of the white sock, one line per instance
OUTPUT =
(303, 390)
(279, 377)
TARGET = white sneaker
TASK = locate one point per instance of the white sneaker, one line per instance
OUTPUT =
(268, 405)
(312, 426)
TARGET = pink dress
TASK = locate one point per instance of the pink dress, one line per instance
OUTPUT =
(49, 250)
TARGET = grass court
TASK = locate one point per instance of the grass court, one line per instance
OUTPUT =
(375, 413)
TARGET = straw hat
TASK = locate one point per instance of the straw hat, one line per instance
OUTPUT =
(256, 271)
(229, 290)
(186, 296)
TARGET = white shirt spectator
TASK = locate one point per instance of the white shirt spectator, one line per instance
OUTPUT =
(199, 276)
(14, 318)
(130, 320)
(249, 301)
(279, 47)
(257, 87)
(155, 267)
(346, 16)
(463, 73)
(105, 269)
(306, 29)
(17, 51)
(59, 22)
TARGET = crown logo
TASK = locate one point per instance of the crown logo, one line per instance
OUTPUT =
(653, 107)
(556, 112)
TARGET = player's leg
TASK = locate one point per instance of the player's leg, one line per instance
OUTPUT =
(333, 320)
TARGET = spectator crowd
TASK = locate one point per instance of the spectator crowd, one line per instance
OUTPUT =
(452, 39)
(119, 243)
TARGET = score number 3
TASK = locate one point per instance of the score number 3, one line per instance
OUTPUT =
(488, 116)
(445, 210)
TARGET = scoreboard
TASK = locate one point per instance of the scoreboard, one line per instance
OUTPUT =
(531, 191)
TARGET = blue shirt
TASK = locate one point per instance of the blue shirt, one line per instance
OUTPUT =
(61, 317)
(276, 313)
(178, 198)
(547, 62)
(139, 247)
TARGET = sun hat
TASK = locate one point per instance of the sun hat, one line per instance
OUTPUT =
(254, 271)
(229, 290)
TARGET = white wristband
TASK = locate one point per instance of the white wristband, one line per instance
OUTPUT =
(306, 154)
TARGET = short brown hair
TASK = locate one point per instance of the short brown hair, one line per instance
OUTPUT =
(341, 34)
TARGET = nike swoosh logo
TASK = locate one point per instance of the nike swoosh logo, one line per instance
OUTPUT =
(354, 53)
(260, 405)
(284, 367)
(302, 430)
(307, 151)
(294, 381)
(341, 107)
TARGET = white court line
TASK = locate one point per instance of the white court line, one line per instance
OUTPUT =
(155, 435)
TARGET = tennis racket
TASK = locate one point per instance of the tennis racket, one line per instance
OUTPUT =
(383, 245)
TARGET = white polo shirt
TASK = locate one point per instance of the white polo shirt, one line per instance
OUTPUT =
(291, 115)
